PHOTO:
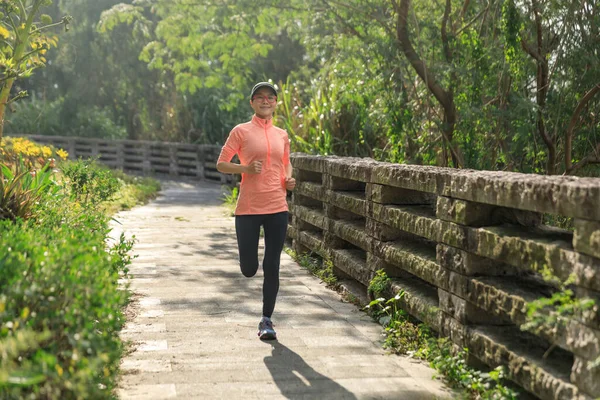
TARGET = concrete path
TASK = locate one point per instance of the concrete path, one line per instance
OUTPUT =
(194, 320)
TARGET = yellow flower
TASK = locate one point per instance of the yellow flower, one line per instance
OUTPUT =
(46, 151)
(62, 154)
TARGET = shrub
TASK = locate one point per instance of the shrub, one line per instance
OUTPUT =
(22, 189)
(89, 182)
(60, 300)
(57, 282)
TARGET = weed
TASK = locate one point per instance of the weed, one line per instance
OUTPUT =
(229, 198)
(379, 285)
(404, 335)
(322, 268)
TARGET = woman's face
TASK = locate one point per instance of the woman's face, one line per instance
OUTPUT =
(264, 103)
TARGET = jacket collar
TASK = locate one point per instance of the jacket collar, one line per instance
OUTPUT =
(263, 123)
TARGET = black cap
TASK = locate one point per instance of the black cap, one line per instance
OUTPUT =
(260, 85)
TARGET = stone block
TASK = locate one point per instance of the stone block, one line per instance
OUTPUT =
(354, 203)
(310, 242)
(291, 231)
(307, 162)
(526, 363)
(455, 330)
(299, 199)
(466, 312)
(587, 237)
(420, 221)
(477, 214)
(414, 258)
(332, 241)
(342, 184)
(334, 212)
(305, 217)
(375, 263)
(535, 250)
(415, 177)
(300, 248)
(352, 232)
(352, 264)
(354, 168)
(466, 263)
(419, 300)
(302, 175)
(458, 285)
(561, 195)
(393, 195)
(311, 190)
(382, 231)
(585, 377)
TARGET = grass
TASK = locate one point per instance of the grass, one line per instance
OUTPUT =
(322, 268)
(134, 191)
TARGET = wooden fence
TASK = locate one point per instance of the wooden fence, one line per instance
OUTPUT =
(144, 157)
(469, 250)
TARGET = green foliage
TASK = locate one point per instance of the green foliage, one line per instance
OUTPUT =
(380, 284)
(60, 299)
(58, 279)
(322, 268)
(133, 191)
(35, 116)
(90, 183)
(24, 43)
(22, 189)
(452, 365)
(403, 335)
(229, 198)
(551, 314)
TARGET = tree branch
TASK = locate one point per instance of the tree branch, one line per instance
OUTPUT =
(443, 97)
(592, 158)
(570, 129)
(444, 30)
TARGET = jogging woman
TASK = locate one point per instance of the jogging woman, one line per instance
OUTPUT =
(264, 154)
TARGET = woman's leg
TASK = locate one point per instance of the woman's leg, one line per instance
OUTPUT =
(247, 229)
(275, 226)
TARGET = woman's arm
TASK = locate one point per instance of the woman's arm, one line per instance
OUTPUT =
(231, 168)
(290, 183)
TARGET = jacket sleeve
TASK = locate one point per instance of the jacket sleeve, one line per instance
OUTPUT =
(231, 147)
(286, 149)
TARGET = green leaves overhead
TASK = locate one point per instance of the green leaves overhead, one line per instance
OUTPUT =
(204, 45)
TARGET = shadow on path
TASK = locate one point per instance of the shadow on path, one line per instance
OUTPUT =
(298, 380)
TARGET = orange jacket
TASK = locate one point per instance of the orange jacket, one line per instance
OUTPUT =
(259, 140)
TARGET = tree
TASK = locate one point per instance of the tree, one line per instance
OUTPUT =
(24, 43)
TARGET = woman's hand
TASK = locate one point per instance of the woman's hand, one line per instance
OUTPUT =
(255, 167)
(290, 183)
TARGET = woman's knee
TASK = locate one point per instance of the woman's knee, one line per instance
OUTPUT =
(249, 268)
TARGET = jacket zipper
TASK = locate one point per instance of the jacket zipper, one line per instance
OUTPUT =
(268, 148)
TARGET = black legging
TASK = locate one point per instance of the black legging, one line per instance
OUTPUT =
(247, 228)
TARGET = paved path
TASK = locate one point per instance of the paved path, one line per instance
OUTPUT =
(193, 331)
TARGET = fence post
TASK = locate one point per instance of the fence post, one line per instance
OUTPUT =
(146, 164)
(173, 161)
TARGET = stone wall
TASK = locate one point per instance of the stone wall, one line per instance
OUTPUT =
(468, 248)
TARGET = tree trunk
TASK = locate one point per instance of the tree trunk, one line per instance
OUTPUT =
(540, 55)
(19, 50)
(443, 97)
(570, 130)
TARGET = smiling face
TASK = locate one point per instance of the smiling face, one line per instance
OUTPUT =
(264, 103)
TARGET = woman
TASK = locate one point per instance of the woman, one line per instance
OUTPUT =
(264, 153)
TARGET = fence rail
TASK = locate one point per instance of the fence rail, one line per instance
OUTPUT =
(144, 157)
(468, 249)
